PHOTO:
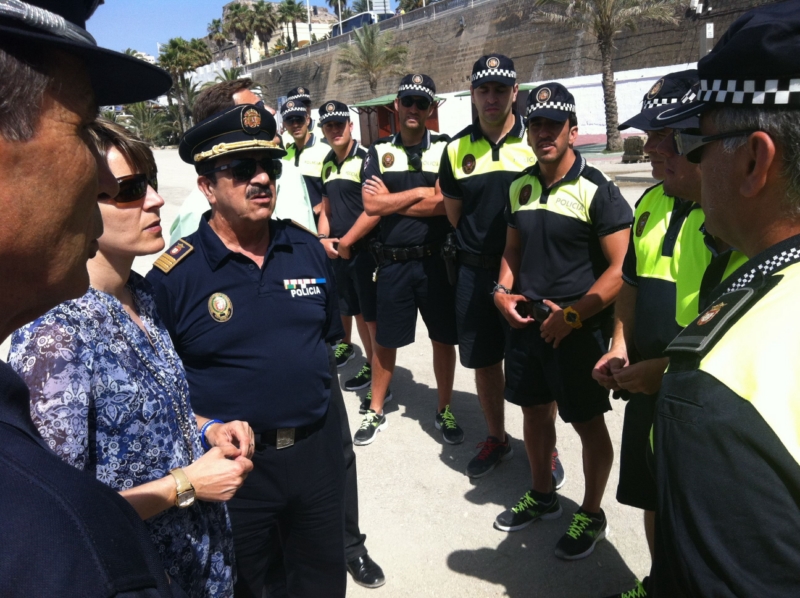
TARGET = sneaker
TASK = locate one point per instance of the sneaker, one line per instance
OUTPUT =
(343, 353)
(370, 426)
(559, 477)
(492, 452)
(446, 422)
(525, 512)
(637, 592)
(583, 533)
(367, 400)
(361, 380)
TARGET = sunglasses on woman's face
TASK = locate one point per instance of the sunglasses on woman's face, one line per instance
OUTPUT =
(244, 170)
(134, 187)
(422, 103)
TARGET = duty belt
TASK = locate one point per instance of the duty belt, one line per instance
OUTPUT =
(488, 262)
(286, 437)
(400, 254)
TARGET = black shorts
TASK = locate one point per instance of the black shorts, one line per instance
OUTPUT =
(537, 374)
(405, 287)
(637, 486)
(482, 330)
(357, 292)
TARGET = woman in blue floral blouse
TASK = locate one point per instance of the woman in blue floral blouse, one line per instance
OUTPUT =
(109, 395)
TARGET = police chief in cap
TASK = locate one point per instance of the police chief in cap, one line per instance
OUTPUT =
(64, 533)
(726, 437)
(252, 310)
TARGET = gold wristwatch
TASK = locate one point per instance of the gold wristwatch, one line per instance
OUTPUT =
(572, 317)
(185, 490)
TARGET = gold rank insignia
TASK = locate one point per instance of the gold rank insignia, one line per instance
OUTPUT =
(388, 160)
(642, 223)
(173, 256)
(251, 120)
(220, 307)
(468, 164)
(710, 314)
(525, 194)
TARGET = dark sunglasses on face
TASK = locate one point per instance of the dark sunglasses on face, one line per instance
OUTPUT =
(422, 103)
(294, 120)
(244, 170)
(134, 187)
(691, 146)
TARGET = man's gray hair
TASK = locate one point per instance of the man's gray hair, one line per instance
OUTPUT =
(24, 77)
(782, 125)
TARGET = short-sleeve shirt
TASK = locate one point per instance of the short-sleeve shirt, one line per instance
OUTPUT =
(254, 341)
(479, 174)
(341, 184)
(560, 229)
(391, 162)
(309, 160)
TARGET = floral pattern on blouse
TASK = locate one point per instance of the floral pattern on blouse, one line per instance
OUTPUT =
(97, 401)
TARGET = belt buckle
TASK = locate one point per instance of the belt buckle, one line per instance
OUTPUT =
(284, 438)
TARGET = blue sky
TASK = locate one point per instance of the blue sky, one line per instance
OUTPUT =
(139, 24)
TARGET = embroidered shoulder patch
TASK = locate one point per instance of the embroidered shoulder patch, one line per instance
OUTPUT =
(173, 256)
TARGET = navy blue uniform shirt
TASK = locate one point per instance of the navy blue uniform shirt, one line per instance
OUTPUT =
(254, 342)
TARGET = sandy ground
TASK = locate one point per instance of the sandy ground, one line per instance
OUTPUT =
(428, 525)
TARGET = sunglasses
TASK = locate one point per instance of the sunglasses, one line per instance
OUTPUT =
(294, 120)
(691, 146)
(134, 187)
(421, 103)
(244, 170)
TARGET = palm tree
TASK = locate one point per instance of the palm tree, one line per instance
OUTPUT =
(335, 4)
(409, 5)
(265, 21)
(231, 74)
(291, 11)
(215, 34)
(604, 19)
(360, 6)
(148, 123)
(180, 57)
(371, 56)
(239, 24)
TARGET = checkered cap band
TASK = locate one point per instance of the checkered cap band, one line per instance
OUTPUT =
(689, 96)
(301, 109)
(494, 73)
(772, 92)
(562, 106)
(658, 102)
(421, 88)
(329, 115)
(299, 96)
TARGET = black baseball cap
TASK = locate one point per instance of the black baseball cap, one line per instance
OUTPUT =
(666, 93)
(334, 111)
(493, 67)
(115, 78)
(754, 64)
(417, 85)
(243, 128)
(550, 100)
(299, 93)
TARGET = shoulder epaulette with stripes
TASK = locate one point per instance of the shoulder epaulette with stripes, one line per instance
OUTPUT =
(173, 256)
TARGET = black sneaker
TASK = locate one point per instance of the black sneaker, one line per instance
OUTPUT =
(583, 533)
(361, 380)
(367, 400)
(370, 426)
(492, 452)
(525, 512)
(559, 477)
(446, 422)
(343, 353)
(637, 592)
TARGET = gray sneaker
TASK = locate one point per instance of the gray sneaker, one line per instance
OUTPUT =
(492, 452)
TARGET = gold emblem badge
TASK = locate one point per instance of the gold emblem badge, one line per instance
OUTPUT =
(417, 79)
(525, 195)
(468, 164)
(388, 160)
(330, 107)
(493, 62)
(251, 120)
(220, 307)
(300, 90)
(290, 104)
(543, 95)
(642, 223)
(175, 250)
(655, 89)
(710, 314)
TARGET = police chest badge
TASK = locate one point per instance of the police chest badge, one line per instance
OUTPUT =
(251, 121)
(468, 164)
(525, 195)
(388, 160)
(710, 314)
(642, 223)
(220, 307)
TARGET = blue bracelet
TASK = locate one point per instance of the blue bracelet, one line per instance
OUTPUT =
(205, 427)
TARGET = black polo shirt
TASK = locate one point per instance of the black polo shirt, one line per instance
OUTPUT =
(560, 229)
(341, 184)
(391, 162)
(309, 160)
(264, 361)
(479, 174)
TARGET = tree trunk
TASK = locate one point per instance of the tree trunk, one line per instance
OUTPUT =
(294, 30)
(613, 138)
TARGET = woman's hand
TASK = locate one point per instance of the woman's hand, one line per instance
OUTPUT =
(217, 475)
(235, 433)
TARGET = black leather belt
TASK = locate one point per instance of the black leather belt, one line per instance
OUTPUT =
(286, 437)
(489, 262)
(400, 254)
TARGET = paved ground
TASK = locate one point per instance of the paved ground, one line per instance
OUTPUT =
(430, 526)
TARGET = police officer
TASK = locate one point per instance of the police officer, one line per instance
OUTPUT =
(568, 230)
(399, 186)
(727, 454)
(251, 306)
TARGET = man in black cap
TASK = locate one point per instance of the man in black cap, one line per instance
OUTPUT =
(726, 437)
(251, 307)
(568, 230)
(400, 187)
(64, 533)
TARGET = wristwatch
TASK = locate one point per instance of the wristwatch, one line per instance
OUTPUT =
(572, 317)
(185, 495)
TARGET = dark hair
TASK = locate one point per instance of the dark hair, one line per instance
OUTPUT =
(107, 134)
(217, 98)
(24, 77)
(573, 120)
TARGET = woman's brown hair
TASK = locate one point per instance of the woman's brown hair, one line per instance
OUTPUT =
(138, 154)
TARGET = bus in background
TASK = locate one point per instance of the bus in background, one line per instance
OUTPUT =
(361, 19)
